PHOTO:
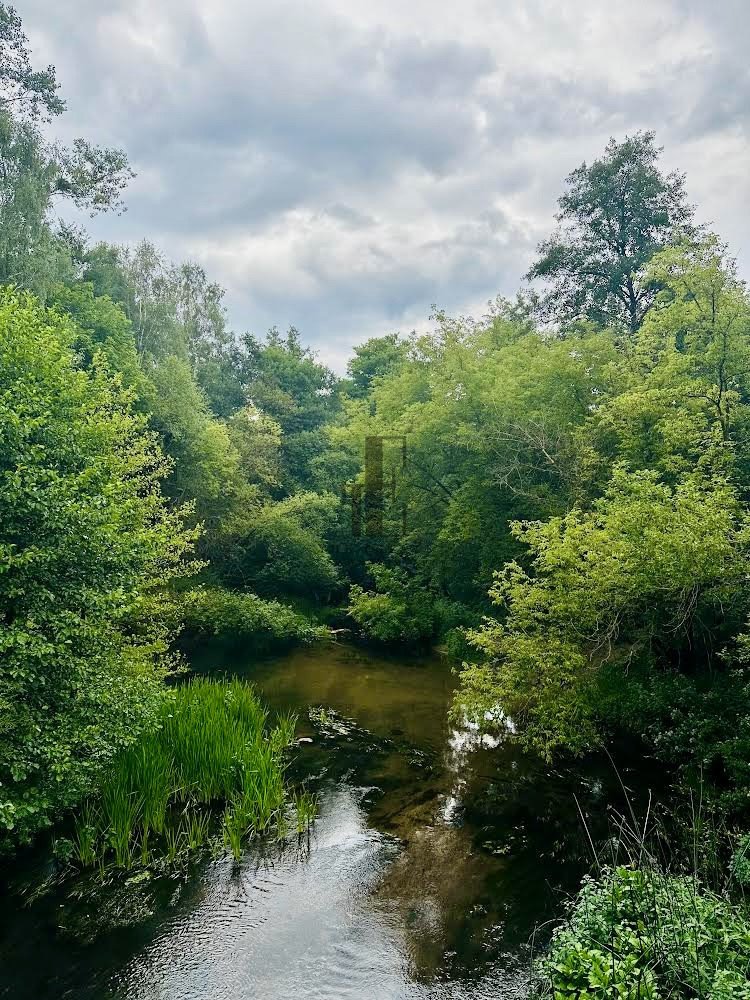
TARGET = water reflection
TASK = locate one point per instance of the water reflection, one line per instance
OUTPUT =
(307, 925)
(435, 854)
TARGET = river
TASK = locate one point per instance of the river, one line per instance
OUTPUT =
(435, 856)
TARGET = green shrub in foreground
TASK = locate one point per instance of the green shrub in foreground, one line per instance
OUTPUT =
(639, 934)
(89, 546)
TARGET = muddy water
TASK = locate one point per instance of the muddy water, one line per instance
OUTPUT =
(433, 859)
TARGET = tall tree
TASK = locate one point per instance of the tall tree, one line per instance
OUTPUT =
(615, 215)
(34, 172)
(21, 86)
(88, 543)
(375, 358)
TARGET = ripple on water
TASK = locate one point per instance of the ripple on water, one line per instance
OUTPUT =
(306, 925)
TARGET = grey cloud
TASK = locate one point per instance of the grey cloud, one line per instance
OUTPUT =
(343, 174)
(437, 70)
(348, 216)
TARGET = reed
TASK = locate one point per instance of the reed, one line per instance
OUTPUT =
(234, 829)
(213, 746)
(86, 827)
(196, 828)
(306, 808)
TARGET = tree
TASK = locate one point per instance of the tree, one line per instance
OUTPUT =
(491, 412)
(616, 214)
(683, 388)
(375, 358)
(205, 462)
(21, 87)
(258, 440)
(137, 279)
(645, 575)
(175, 311)
(101, 326)
(652, 577)
(88, 544)
(34, 172)
(284, 380)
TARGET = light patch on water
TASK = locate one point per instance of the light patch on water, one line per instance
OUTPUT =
(319, 924)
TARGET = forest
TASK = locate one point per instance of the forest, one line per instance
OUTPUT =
(566, 516)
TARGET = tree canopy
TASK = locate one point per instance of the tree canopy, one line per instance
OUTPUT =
(615, 214)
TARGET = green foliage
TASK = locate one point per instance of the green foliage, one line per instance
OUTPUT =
(87, 545)
(211, 745)
(740, 864)
(649, 573)
(258, 440)
(376, 358)
(616, 214)
(643, 935)
(246, 617)
(697, 722)
(101, 326)
(401, 609)
(285, 381)
(21, 86)
(278, 548)
(35, 172)
(490, 411)
(648, 570)
(206, 465)
(306, 808)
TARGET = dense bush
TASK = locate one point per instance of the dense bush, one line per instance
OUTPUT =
(87, 544)
(247, 617)
(400, 609)
(642, 935)
(697, 724)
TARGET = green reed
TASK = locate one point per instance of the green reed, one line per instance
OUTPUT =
(213, 746)
(234, 830)
(306, 807)
(86, 826)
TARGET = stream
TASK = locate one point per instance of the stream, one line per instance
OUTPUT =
(435, 857)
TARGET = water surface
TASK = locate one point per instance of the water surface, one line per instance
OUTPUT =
(433, 859)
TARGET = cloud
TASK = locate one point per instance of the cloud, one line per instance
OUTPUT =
(343, 166)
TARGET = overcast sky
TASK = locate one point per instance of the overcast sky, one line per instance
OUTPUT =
(341, 165)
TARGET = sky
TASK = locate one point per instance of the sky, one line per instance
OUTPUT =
(342, 166)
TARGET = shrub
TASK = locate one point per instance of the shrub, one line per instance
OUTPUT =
(636, 934)
(400, 609)
(231, 614)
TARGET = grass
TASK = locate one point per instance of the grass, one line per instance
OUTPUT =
(306, 806)
(213, 747)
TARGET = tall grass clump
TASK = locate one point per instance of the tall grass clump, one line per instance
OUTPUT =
(213, 747)
(306, 807)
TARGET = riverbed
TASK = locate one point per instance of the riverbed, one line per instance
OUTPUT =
(432, 871)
